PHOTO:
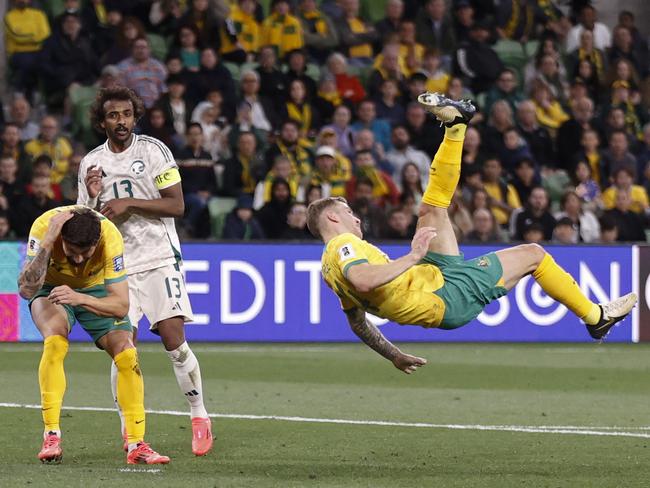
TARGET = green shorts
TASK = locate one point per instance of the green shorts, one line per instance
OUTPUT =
(96, 326)
(469, 286)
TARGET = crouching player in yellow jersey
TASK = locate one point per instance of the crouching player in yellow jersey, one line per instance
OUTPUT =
(75, 272)
(433, 286)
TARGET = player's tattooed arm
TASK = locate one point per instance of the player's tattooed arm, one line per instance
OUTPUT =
(371, 335)
(32, 277)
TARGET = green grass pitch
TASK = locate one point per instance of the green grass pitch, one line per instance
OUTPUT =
(556, 416)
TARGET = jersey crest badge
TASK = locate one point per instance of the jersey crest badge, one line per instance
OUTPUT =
(483, 262)
(137, 167)
(118, 263)
(346, 252)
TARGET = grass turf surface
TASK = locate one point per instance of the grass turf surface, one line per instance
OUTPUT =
(591, 386)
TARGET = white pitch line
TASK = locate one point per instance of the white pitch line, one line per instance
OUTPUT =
(575, 430)
(134, 470)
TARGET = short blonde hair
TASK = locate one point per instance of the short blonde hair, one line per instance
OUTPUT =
(316, 208)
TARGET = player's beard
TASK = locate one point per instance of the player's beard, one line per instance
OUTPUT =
(120, 137)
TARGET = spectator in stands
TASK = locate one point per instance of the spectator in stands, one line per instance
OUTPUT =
(410, 181)
(403, 153)
(538, 138)
(281, 169)
(499, 121)
(565, 232)
(364, 140)
(602, 35)
(525, 178)
(629, 224)
(67, 57)
(240, 33)
(362, 204)
(608, 230)
(355, 35)
(570, 132)
(582, 219)
(505, 89)
(367, 119)
(313, 193)
(590, 152)
(586, 51)
(524, 20)
(515, 148)
(389, 25)
(282, 30)
(503, 196)
(241, 223)
(534, 233)
(349, 86)
(318, 31)
(214, 76)
(626, 19)
(635, 114)
(297, 223)
(11, 146)
(9, 183)
(384, 190)
(99, 22)
(331, 173)
(299, 109)
(586, 187)
(623, 48)
(121, 44)
(29, 207)
(476, 61)
(617, 155)
(388, 69)
(205, 21)
(548, 68)
(463, 20)
(272, 80)
(262, 112)
(26, 28)
(273, 215)
(426, 134)
(327, 137)
(5, 226)
(411, 52)
(623, 177)
(344, 134)
(437, 77)
(19, 114)
(548, 109)
(297, 70)
(397, 225)
(176, 106)
(479, 198)
(187, 47)
(435, 29)
(642, 152)
(485, 228)
(52, 144)
(327, 97)
(537, 212)
(290, 145)
(460, 216)
(155, 124)
(243, 170)
(143, 74)
(70, 183)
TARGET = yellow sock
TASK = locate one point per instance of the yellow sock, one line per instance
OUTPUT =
(560, 285)
(445, 168)
(51, 380)
(130, 394)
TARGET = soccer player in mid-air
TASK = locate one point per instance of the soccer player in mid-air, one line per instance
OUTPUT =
(75, 271)
(134, 181)
(432, 285)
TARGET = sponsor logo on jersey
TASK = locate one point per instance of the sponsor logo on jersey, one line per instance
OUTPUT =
(346, 252)
(34, 245)
(118, 263)
(137, 167)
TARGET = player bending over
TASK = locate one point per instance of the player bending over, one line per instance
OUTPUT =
(433, 286)
(75, 272)
(135, 182)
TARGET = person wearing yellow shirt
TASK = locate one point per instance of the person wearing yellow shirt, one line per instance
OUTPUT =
(624, 182)
(504, 197)
(432, 285)
(25, 30)
(282, 30)
(437, 77)
(48, 142)
(318, 30)
(550, 113)
(246, 32)
(74, 271)
(332, 171)
(356, 36)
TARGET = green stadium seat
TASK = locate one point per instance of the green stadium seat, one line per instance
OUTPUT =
(218, 208)
(158, 46)
(234, 69)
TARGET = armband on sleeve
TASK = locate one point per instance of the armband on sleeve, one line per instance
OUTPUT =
(169, 178)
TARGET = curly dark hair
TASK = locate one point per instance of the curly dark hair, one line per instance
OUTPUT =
(83, 229)
(123, 93)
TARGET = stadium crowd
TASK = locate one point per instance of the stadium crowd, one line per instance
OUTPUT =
(270, 105)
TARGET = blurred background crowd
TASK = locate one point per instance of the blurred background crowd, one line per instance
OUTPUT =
(269, 105)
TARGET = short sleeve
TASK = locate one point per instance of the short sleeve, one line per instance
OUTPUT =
(163, 166)
(36, 234)
(349, 252)
(114, 269)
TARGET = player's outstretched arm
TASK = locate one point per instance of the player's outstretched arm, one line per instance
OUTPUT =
(366, 277)
(371, 335)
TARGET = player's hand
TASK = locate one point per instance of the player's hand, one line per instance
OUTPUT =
(54, 228)
(64, 295)
(93, 181)
(116, 208)
(421, 240)
(408, 363)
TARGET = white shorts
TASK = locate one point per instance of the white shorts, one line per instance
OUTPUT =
(159, 294)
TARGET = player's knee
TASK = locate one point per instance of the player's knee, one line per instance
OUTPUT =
(431, 210)
(536, 252)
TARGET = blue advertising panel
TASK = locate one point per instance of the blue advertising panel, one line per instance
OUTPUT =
(274, 293)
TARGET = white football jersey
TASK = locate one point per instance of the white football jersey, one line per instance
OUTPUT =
(138, 172)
